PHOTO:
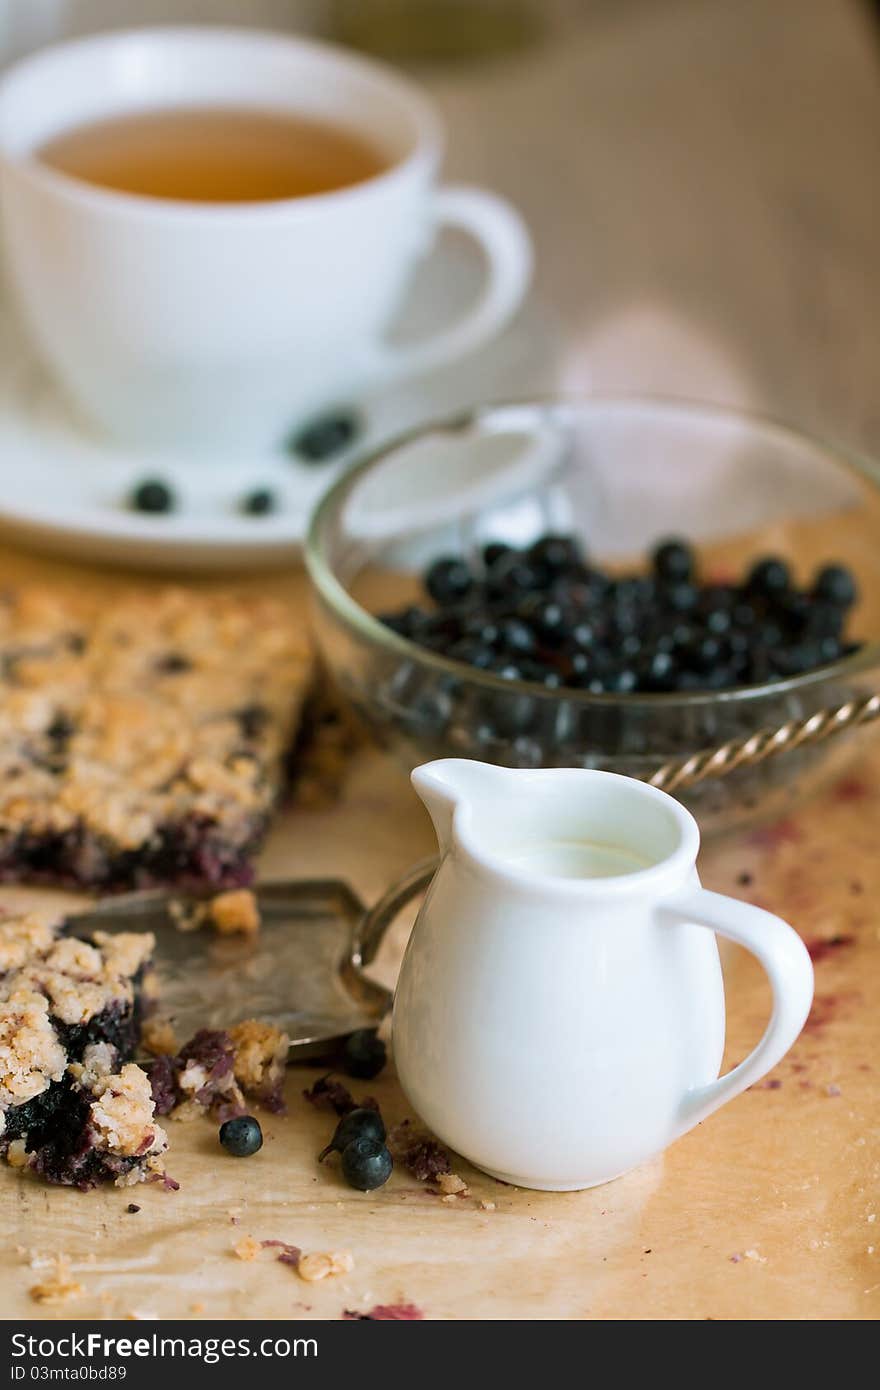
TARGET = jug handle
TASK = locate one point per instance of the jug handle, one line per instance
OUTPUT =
(369, 932)
(789, 969)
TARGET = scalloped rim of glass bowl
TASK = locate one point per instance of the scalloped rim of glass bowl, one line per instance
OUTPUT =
(340, 600)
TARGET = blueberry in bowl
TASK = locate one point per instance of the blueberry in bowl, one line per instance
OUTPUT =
(661, 628)
(607, 583)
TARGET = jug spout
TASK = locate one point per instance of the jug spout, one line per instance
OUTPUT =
(448, 783)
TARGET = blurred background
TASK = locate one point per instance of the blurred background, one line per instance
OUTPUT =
(699, 176)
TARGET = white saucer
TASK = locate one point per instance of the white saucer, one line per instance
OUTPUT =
(64, 488)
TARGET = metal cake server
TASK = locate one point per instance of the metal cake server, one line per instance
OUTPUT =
(304, 969)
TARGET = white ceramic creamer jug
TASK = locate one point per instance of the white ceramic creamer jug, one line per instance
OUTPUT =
(559, 1016)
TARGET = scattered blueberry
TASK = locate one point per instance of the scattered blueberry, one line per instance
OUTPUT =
(362, 1123)
(364, 1054)
(152, 495)
(261, 502)
(241, 1136)
(325, 437)
(366, 1164)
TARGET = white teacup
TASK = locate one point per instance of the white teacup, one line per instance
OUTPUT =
(559, 1016)
(204, 324)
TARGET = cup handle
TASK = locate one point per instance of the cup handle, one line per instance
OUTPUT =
(504, 239)
(789, 969)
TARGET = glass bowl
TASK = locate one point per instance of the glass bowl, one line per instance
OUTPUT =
(621, 474)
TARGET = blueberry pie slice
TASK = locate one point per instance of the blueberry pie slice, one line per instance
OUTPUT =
(73, 1106)
(143, 739)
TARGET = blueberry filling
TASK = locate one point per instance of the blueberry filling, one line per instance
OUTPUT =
(191, 852)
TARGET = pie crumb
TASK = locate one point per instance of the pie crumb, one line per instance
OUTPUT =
(16, 1154)
(187, 1111)
(487, 1206)
(235, 912)
(59, 1285)
(159, 1038)
(247, 1248)
(319, 1266)
(451, 1185)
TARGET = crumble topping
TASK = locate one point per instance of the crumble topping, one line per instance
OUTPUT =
(31, 1055)
(80, 980)
(122, 1113)
(260, 1055)
(21, 938)
(124, 952)
(143, 740)
(99, 1061)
